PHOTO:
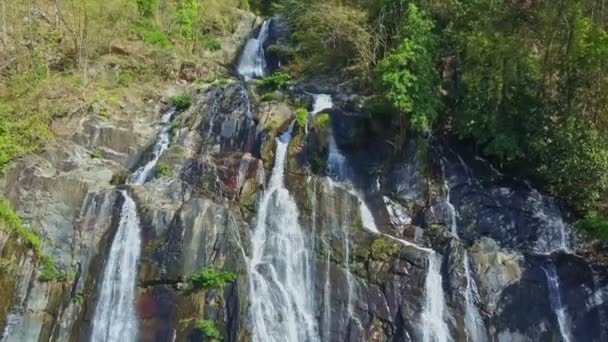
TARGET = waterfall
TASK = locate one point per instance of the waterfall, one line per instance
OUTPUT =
(338, 167)
(281, 266)
(476, 331)
(474, 325)
(115, 318)
(434, 328)
(321, 102)
(253, 60)
(556, 301)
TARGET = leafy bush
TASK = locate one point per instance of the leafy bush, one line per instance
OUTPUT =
(268, 97)
(151, 33)
(276, 81)
(211, 278)
(208, 328)
(302, 117)
(181, 102)
(594, 226)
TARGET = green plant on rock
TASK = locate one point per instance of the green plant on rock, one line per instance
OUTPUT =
(269, 97)
(151, 33)
(164, 170)
(302, 117)
(382, 249)
(96, 154)
(211, 278)
(50, 272)
(210, 43)
(208, 328)
(322, 122)
(276, 81)
(181, 102)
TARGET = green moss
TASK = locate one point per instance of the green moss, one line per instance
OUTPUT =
(208, 328)
(383, 249)
(211, 278)
(124, 78)
(50, 272)
(181, 102)
(12, 222)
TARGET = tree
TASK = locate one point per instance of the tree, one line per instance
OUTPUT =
(408, 76)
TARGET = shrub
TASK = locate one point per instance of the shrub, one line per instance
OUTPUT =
(151, 33)
(322, 121)
(276, 81)
(268, 97)
(594, 226)
(208, 328)
(181, 102)
(164, 170)
(50, 272)
(302, 117)
(210, 43)
(211, 278)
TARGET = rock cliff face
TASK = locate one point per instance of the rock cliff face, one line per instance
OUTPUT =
(436, 246)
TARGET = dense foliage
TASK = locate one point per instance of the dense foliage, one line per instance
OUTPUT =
(524, 81)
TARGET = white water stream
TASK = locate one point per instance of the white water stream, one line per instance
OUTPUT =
(281, 266)
(253, 60)
(115, 318)
(556, 302)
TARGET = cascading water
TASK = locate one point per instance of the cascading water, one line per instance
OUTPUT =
(475, 328)
(434, 328)
(476, 331)
(281, 265)
(253, 60)
(337, 164)
(556, 302)
(115, 318)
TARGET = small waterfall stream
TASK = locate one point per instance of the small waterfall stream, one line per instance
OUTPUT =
(475, 327)
(115, 318)
(253, 61)
(556, 301)
(281, 266)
